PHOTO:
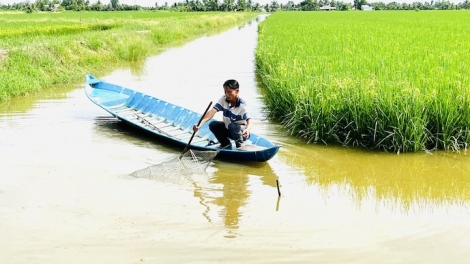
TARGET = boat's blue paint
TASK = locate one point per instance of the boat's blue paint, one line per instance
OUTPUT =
(169, 121)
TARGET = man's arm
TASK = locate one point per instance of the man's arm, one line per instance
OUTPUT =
(208, 116)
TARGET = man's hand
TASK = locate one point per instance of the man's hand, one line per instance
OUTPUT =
(245, 134)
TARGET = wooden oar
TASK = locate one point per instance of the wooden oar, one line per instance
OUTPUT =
(192, 136)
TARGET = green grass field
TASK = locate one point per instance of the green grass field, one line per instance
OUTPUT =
(397, 81)
(40, 50)
(45, 23)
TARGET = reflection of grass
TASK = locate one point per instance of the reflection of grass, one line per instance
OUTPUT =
(406, 180)
(46, 49)
(23, 104)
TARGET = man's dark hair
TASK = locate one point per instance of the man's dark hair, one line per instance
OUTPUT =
(231, 84)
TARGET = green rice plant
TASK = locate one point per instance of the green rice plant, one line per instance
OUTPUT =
(395, 81)
(136, 50)
(53, 30)
(95, 43)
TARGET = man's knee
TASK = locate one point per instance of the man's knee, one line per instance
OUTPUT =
(212, 125)
(234, 127)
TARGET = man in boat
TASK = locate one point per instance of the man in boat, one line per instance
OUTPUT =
(236, 122)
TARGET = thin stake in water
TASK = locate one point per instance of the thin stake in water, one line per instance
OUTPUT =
(278, 190)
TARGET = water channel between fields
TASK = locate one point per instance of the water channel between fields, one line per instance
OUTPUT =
(66, 195)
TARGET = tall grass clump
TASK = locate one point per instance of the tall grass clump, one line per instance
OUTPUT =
(394, 81)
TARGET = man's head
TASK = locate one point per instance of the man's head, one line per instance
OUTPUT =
(233, 84)
(231, 89)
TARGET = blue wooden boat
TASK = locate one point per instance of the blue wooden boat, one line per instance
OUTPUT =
(170, 122)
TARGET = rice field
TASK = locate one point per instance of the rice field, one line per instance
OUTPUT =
(46, 23)
(40, 50)
(397, 81)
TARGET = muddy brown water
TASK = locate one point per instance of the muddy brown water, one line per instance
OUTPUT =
(66, 195)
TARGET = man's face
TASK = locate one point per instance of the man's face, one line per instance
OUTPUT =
(230, 94)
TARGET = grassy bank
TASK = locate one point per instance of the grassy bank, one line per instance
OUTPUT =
(395, 81)
(40, 50)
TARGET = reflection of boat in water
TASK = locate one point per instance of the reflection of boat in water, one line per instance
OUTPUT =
(170, 122)
(224, 190)
(228, 191)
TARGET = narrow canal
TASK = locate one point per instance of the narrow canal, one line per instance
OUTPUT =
(66, 194)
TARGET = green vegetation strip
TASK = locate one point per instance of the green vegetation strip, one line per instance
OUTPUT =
(40, 50)
(396, 81)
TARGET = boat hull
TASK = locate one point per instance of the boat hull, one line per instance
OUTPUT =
(170, 122)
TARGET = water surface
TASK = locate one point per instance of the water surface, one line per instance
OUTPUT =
(66, 195)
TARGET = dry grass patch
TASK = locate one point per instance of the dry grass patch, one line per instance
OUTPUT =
(3, 55)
